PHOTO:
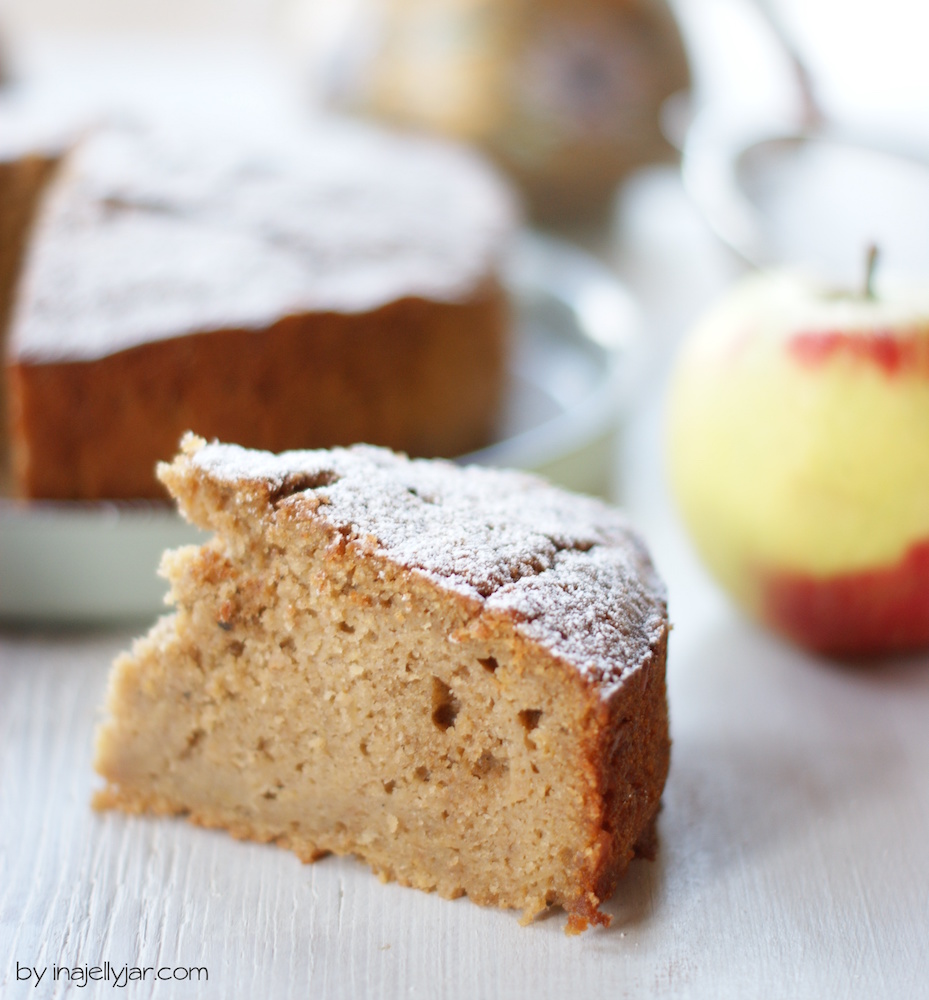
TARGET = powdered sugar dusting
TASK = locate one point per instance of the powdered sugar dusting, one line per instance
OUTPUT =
(152, 233)
(567, 568)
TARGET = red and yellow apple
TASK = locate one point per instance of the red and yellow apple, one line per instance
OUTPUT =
(799, 457)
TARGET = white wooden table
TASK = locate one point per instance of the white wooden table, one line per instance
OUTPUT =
(794, 840)
(794, 855)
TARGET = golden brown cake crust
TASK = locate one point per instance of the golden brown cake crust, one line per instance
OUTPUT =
(315, 291)
(22, 179)
(315, 380)
(35, 134)
(456, 674)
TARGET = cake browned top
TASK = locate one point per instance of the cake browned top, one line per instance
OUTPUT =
(567, 569)
(151, 233)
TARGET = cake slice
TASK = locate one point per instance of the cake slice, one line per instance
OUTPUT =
(456, 674)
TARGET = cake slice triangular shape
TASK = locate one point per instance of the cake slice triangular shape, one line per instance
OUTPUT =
(456, 674)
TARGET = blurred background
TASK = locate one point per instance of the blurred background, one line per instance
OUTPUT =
(587, 105)
(570, 98)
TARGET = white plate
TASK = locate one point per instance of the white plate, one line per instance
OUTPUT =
(572, 372)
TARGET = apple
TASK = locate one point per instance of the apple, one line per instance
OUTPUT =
(798, 445)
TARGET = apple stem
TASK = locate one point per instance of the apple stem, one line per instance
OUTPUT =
(870, 265)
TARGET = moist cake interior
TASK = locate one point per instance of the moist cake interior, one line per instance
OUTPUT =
(314, 689)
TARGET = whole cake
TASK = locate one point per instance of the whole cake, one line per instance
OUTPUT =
(307, 290)
(455, 673)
